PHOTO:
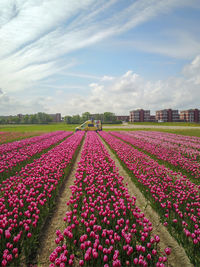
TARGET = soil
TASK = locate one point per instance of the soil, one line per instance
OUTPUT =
(56, 222)
(178, 257)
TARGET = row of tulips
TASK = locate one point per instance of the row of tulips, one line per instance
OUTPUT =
(164, 152)
(181, 140)
(174, 196)
(158, 139)
(11, 136)
(12, 158)
(27, 199)
(104, 227)
(4, 148)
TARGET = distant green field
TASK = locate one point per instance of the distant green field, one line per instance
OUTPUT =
(39, 127)
(71, 127)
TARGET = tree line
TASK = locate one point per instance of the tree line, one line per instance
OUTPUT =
(106, 117)
(39, 118)
(43, 118)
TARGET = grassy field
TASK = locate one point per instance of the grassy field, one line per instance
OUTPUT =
(71, 127)
(39, 127)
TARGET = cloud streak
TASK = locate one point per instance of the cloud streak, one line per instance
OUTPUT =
(38, 38)
(131, 91)
(38, 33)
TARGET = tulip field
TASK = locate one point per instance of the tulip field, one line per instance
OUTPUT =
(103, 226)
(182, 153)
(27, 198)
(6, 137)
(173, 195)
(14, 153)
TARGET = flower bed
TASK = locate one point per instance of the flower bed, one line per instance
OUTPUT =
(167, 152)
(180, 140)
(11, 136)
(4, 148)
(12, 158)
(27, 199)
(175, 198)
(104, 226)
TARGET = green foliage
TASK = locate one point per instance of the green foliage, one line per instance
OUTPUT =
(109, 117)
(39, 118)
(85, 116)
(106, 117)
(51, 127)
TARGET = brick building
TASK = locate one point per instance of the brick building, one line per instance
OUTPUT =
(152, 118)
(167, 115)
(122, 118)
(139, 115)
(190, 115)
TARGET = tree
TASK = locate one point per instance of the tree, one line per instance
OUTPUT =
(85, 116)
(3, 120)
(33, 119)
(26, 119)
(15, 120)
(109, 117)
(43, 117)
(68, 119)
(76, 119)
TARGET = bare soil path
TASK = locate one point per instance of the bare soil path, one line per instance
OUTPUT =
(56, 222)
(178, 257)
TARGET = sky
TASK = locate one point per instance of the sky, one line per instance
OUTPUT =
(70, 57)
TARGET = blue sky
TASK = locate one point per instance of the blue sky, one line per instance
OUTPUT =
(107, 55)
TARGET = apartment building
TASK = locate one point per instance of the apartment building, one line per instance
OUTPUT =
(190, 115)
(139, 115)
(122, 118)
(167, 115)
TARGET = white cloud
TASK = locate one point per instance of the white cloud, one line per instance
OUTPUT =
(37, 38)
(193, 71)
(119, 95)
(184, 46)
(175, 92)
(107, 78)
(35, 34)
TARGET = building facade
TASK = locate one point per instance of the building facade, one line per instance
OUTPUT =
(167, 115)
(122, 118)
(139, 115)
(190, 115)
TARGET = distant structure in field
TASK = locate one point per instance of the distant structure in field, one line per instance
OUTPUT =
(139, 115)
(122, 118)
(190, 115)
(167, 115)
